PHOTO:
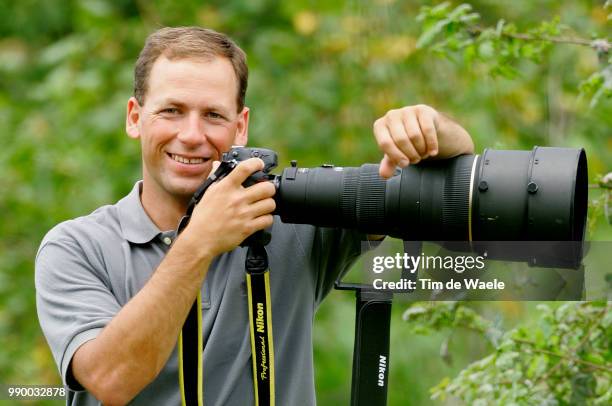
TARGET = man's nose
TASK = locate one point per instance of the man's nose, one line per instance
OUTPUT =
(191, 130)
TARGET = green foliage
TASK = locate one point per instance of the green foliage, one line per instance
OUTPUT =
(565, 358)
(497, 45)
(449, 32)
(425, 318)
(598, 85)
(321, 72)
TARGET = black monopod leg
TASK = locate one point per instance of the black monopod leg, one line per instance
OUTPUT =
(371, 350)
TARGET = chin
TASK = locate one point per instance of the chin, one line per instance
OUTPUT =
(184, 189)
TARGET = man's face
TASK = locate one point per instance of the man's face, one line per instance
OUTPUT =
(188, 119)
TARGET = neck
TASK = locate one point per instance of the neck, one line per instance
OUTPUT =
(166, 211)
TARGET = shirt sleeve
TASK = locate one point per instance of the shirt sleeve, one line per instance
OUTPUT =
(73, 298)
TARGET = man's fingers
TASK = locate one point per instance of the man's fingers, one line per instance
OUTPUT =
(244, 170)
(404, 140)
(215, 165)
(263, 207)
(427, 123)
(386, 168)
(414, 133)
(260, 191)
(262, 222)
(387, 145)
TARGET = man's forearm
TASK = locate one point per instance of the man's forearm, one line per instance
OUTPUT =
(133, 348)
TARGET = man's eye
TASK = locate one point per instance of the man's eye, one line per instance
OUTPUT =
(170, 110)
(212, 114)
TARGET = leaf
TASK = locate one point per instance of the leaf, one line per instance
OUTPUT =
(413, 311)
(499, 28)
(427, 12)
(486, 50)
(460, 10)
(505, 360)
(427, 37)
(469, 18)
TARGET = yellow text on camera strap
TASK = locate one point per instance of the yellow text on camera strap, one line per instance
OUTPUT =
(262, 345)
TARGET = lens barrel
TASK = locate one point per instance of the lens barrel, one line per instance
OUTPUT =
(519, 196)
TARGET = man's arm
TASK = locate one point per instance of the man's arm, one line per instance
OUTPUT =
(133, 348)
(413, 133)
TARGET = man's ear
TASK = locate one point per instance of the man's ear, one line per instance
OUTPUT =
(242, 128)
(132, 118)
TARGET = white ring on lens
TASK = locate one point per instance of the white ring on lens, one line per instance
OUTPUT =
(470, 199)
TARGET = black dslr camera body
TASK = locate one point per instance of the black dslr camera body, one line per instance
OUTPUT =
(238, 154)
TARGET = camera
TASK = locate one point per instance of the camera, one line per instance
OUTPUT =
(238, 154)
(536, 199)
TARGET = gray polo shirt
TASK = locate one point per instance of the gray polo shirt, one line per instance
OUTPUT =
(89, 267)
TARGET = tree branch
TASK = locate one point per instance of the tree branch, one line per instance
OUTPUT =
(587, 335)
(600, 45)
(568, 357)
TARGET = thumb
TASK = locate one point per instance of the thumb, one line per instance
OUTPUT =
(215, 165)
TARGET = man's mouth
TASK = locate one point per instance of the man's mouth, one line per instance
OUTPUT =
(188, 160)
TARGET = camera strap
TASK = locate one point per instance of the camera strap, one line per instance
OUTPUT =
(190, 341)
(260, 323)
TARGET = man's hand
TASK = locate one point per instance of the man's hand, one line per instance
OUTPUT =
(411, 134)
(228, 212)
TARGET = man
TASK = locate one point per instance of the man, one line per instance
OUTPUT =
(114, 287)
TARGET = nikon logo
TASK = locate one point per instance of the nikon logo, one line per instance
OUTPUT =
(382, 368)
(259, 321)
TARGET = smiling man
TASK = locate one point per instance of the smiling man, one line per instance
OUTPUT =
(189, 98)
(114, 287)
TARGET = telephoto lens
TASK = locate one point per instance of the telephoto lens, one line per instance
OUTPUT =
(515, 205)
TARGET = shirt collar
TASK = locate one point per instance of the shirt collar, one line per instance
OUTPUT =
(136, 225)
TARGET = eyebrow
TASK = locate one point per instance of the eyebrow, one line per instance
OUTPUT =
(209, 107)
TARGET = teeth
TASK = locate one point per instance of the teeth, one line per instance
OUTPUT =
(185, 160)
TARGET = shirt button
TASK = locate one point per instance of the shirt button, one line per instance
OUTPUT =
(167, 240)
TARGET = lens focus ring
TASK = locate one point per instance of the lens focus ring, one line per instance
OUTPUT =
(370, 198)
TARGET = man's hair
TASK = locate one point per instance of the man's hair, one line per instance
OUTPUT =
(185, 42)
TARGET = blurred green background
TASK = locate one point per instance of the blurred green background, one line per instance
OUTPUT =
(320, 73)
